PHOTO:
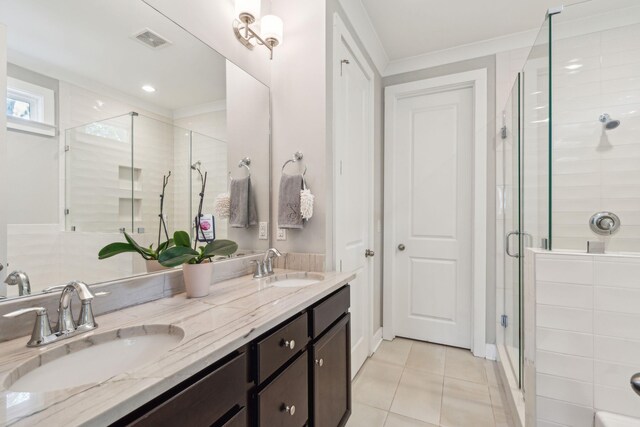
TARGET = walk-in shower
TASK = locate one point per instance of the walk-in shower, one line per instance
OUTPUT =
(570, 148)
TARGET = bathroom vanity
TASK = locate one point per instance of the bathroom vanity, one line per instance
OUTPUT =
(255, 352)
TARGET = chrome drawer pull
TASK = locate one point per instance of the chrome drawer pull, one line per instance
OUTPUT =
(289, 344)
(290, 409)
(320, 362)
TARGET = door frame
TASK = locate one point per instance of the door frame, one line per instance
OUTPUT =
(342, 35)
(477, 80)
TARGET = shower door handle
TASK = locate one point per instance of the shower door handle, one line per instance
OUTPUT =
(507, 245)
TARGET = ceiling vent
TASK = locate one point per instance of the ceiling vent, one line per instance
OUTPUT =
(151, 39)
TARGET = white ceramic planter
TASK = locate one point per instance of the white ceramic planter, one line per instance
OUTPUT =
(153, 266)
(197, 279)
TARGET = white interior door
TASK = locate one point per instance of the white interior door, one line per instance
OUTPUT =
(433, 212)
(353, 194)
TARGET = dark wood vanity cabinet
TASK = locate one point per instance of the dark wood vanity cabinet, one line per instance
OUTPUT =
(216, 396)
(331, 376)
(297, 374)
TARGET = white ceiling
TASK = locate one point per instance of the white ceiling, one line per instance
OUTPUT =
(91, 39)
(409, 28)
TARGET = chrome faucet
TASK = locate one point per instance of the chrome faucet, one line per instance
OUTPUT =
(20, 279)
(67, 326)
(66, 323)
(264, 268)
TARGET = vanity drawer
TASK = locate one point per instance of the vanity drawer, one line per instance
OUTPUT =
(205, 401)
(280, 346)
(328, 311)
(238, 420)
(290, 390)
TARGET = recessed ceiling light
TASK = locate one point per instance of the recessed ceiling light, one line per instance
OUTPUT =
(573, 67)
(148, 88)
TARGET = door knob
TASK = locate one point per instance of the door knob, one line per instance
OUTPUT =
(369, 253)
(401, 247)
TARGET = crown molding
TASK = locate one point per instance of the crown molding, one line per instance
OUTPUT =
(359, 18)
(461, 53)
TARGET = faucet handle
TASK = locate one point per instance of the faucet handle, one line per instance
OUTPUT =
(39, 310)
(259, 273)
(41, 329)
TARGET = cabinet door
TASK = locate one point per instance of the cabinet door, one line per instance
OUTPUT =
(332, 376)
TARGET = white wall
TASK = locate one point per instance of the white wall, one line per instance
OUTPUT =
(298, 90)
(585, 342)
(35, 200)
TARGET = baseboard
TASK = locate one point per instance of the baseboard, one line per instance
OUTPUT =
(376, 340)
(491, 352)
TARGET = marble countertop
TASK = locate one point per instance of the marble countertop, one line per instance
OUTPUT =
(236, 312)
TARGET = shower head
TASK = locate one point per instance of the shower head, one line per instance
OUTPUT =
(608, 122)
(196, 165)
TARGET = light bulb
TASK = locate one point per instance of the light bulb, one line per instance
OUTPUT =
(272, 29)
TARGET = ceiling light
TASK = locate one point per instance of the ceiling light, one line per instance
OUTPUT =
(573, 67)
(148, 88)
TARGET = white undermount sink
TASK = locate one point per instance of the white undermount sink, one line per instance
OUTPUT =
(295, 280)
(94, 359)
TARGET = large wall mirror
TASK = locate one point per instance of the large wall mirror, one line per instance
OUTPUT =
(110, 104)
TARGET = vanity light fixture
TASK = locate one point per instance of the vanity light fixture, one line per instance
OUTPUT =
(148, 88)
(248, 13)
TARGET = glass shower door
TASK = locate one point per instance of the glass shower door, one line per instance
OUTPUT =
(512, 226)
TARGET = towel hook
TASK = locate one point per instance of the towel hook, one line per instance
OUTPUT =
(297, 157)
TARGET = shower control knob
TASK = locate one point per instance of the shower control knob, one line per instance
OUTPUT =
(401, 247)
(604, 223)
(635, 383)
(369, 253)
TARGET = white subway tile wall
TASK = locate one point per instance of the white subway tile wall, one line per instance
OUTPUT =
(596, 170)
(587, 336)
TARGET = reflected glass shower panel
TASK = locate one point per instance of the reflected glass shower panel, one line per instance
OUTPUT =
(99, 176)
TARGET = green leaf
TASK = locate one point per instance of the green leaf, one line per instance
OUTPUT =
(146, 253)
(219, 247)
(165, 245)
(115, 249)
(177, 255)
(181, 238)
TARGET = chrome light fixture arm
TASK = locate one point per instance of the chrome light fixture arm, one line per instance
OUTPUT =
(245, 34)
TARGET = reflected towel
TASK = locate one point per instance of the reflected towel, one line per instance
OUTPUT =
(242, 212)
(289, 215)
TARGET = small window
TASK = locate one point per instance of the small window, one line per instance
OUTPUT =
(30, 108)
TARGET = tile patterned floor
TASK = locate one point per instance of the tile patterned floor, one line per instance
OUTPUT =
(416, 384)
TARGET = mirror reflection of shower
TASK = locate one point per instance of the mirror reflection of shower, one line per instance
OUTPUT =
(196, 167)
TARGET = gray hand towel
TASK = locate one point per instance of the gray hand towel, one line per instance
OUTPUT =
(289, 215)
(243, 213)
